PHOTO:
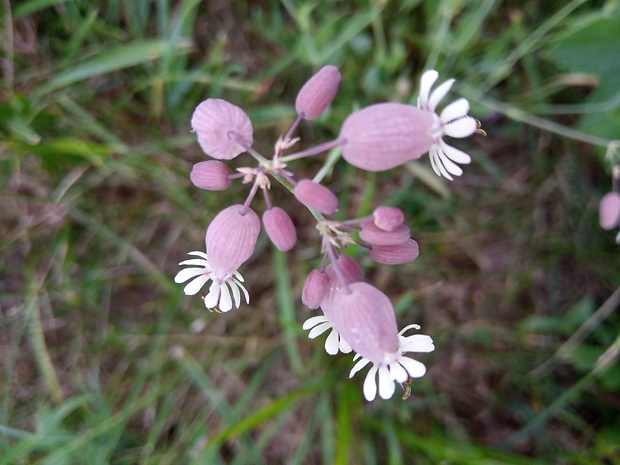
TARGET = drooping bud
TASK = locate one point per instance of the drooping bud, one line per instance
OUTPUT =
(318, 92)
(388, 218)
(609, 210)
(231, 238)
(351, 270)
(315, 289)
(377, 236)
(406, 252)
(364, 317)
(385, 135)
(280, 228)
(214, 120)
(316, 196)
(211, 175)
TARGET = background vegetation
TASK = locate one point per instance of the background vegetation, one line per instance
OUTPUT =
(104, 360)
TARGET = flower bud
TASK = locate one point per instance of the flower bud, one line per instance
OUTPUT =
(318, 92)
(388, 218)
(316, 196)
(364, 317)
(214, 120)
(211, 175)
(406, 252)
(280, 228)
(377, 236)
(231, 238)
(315, 289)
(385, 135)
(609, 210)
(350, 268)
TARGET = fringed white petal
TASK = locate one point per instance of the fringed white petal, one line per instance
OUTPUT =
(462, 127)
(398, 373)
(196, 262)
(455, 154)
(345, 348)
(386, 383)
(213, 296)
(455, 110)
(194, 286)
(370, 384)
(407, 328)
(450, 166)
(313, 321)
(426, 82)
(246, 294)
(319, 329)
(234, 287)
(199, 254)
(439, 93)
(331, 343)
(417, 343)
(226, 304)
(358, 366)
(187, 273)
(414, 368)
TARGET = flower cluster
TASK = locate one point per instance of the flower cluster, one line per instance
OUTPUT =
(379, 137)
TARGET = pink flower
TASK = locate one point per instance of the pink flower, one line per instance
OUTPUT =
(385, 135)
(316, 196)
(280, 228)
(609, 210)
(231, 238)
(211, 175)
(316, 94)
(215, 121)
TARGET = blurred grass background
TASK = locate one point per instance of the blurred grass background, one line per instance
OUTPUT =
(103, 358)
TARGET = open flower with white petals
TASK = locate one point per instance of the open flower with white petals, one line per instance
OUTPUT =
(452, 121)
(395, 367)
(334, 341)
(225, 289)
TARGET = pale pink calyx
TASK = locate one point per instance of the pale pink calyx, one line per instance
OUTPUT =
(214, 120)
(398, 254)
(453, 121)
(385, 135)
(609, 210)
(388, 218)
(316, 196)
(396, 367)
(377, 236)
(315, 289)
(280, 228)
(364, 316)
(318, 92)
(211, 175)
(225, 289)
(231, 238)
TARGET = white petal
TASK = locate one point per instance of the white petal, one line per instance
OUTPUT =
(331, 343)
(237, 275)
(407, 328)
(455, 154)
(187, 273)
(213, 297)
(439, 168)
(313, 321)
(319, 329)
(398, 373)
(426, 82)
(450, 166)
(417, 343)
(245, 292)
(199, 254)
(414, 368)
(370, 384)
(463, 127)
(434, 158)
(234, 287)
(386, 383)
(358, 366)
(194, 286)
(439, 93)
(455, 110)
(195, 262)
(345, 348)
(225, 300)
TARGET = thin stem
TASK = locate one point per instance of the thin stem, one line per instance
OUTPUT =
(290, 131)
(334, 259)
(251, 195)
(325, 146)
(267, 199)
(257, 156)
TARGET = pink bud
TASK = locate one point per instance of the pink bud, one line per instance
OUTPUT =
(609, 210)
(316, 94)
(231, 238)
(214, 120)
(364, 317)
(388, 218)
(350, 268)
(280, 228)
(385, 135)
(406, 252)
(377, 236)
(211, 175)
(315, 289)
(316, 196)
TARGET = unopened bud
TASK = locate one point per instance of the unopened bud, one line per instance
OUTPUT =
(377, 236)
(406, 252)
(211, 175)
(316, 196)
(315, 289)
(609, 210)
(385, 135)
(318, 92)
(388, 218)
(280, 228)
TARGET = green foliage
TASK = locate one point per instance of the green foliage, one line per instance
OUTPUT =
(103, 358)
